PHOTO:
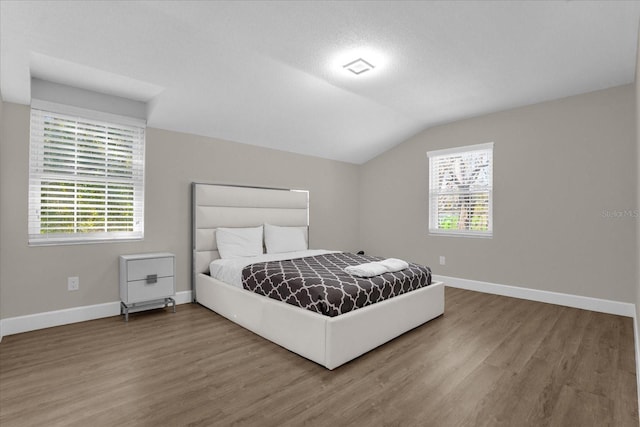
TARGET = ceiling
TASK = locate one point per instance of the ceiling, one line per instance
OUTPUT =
(270, 73)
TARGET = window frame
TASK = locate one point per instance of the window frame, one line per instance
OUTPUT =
(433, 192)
(37, 175)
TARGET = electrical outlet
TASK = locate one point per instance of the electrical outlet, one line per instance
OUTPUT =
(73, 283)
(443, 261)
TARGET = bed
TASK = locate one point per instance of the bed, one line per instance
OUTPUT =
(328, 341)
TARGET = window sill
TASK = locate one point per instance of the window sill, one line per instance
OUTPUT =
(54, 242)
(454, 234)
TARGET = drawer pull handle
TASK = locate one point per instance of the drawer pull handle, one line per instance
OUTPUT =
(152, 278)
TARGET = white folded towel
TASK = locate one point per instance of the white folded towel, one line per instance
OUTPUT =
(370, 269)
(394, 264)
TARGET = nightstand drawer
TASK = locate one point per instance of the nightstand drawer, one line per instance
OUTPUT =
(139, 269)
(140, 290)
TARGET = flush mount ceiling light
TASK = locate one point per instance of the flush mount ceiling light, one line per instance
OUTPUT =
(358, 66)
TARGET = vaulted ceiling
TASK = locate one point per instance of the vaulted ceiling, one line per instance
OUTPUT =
(271, 73)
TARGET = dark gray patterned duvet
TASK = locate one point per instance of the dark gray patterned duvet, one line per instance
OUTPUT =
(320, 284)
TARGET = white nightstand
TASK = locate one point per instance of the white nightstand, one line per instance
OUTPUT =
(147, 281)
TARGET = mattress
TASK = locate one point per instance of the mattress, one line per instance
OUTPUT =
(320, 284)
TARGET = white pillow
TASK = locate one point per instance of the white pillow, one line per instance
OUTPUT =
(239, 242)
(284, 239)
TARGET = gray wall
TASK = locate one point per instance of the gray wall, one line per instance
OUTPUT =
(557, 167)
(34, 279)
(1, 204)
(637, 112)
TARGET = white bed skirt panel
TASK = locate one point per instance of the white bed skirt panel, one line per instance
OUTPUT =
(329, 341)
(355, 333)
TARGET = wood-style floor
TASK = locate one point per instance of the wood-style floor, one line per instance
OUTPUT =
(489, 361)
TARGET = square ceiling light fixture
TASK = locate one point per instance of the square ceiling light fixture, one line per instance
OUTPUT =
(358, 66)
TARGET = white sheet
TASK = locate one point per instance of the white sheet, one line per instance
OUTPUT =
(230, 270)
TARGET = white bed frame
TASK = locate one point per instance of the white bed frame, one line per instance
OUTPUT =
(329, 341)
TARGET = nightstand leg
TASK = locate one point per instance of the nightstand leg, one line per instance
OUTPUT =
(124, 310)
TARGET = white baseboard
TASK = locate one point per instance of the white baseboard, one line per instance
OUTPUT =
(576, 301)
(183, 297)
(32, 322)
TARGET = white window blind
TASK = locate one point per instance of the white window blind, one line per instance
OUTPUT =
(461, 191)
(86, 179)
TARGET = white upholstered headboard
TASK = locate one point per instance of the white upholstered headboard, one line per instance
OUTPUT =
(216, 205)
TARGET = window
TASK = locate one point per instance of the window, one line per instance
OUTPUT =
(86, 176)
(461, 191)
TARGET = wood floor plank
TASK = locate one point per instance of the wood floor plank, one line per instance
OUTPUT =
(578, 408)
(461, 403)
(499, 408)
(626, 359)
(596, 369)
(519, 346)
(488, 361)
(565, 336)
(625, 401)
